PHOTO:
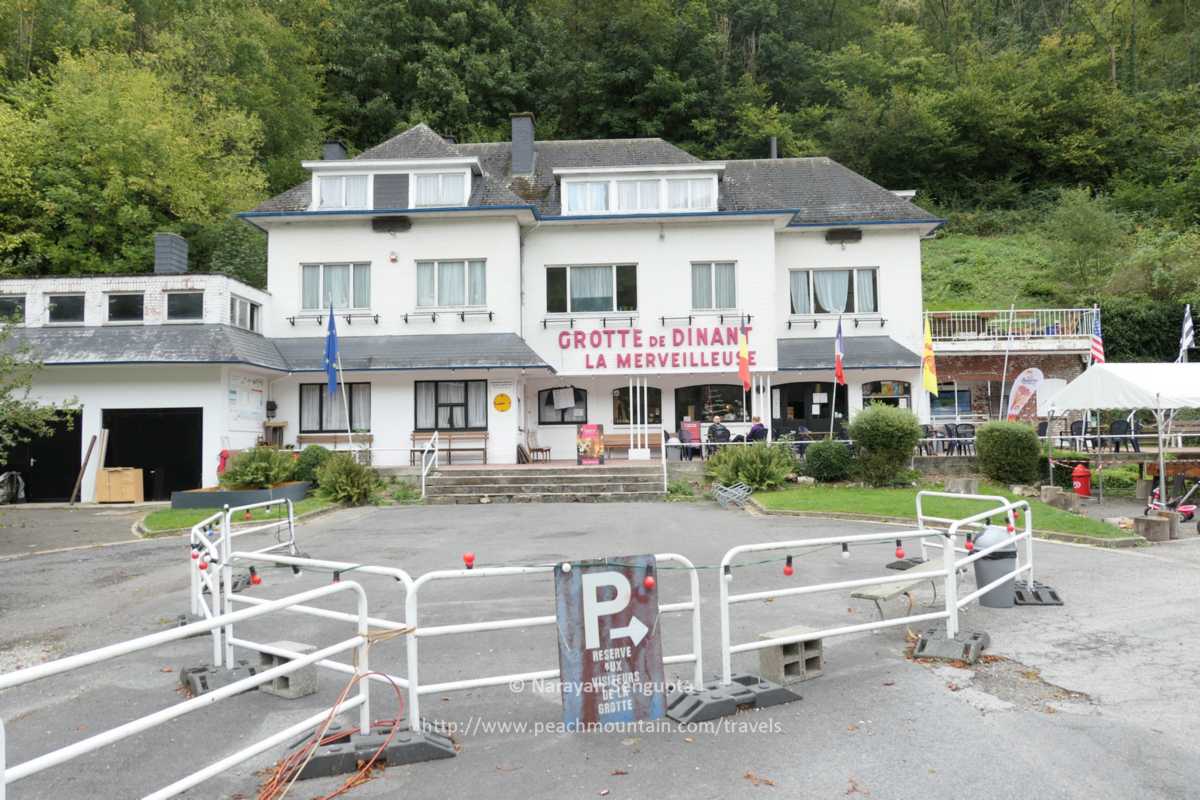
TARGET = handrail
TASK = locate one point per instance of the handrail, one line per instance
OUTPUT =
(432, 444)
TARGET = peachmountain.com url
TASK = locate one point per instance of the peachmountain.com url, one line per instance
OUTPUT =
(474, 726)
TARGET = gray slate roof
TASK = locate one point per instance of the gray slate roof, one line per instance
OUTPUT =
(223, 344)
(819, 190)
(148, 344)
(422, 351)
(861, 352)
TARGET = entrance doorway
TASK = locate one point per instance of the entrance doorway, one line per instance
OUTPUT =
(806, 404)
(165, 443)
(49, 464)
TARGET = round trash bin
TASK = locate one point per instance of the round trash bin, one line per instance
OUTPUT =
(994, 566)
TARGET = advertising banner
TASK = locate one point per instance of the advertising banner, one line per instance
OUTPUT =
(1024, 390)
(589, 444)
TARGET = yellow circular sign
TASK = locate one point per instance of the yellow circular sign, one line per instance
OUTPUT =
(502, 402)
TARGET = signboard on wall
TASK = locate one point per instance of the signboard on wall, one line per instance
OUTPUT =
(589, 444)
(609, 651)
(247, 402)
(698, 348)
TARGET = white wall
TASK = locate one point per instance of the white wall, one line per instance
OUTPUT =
(394, 282)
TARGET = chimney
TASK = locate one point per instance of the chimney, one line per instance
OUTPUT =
(333, 151)
(449, 138)
(522, 143)
(774, 147)
(170, 254)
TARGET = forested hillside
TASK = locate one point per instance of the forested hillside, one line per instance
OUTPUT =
(1060, 137)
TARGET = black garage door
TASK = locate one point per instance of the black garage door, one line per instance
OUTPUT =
(165, 443)
(49, 465)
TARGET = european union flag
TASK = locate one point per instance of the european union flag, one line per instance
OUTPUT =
(331, 354)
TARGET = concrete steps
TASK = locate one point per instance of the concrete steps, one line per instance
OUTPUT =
(546, 485)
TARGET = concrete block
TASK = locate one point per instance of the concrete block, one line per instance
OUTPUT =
(300, 683)
(967, 646)
(205, 678)
(1175, 520)
(791, 663)
(1050, 492)
(1153, 529)
(1142, 488)
(1021, 490)
(1067, 501)
(962, 485)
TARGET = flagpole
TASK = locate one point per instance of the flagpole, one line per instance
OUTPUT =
(833, 407)
(345, 402)
(1012, 311)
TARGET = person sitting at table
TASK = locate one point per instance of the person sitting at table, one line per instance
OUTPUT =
(758, 431)
(717, 433)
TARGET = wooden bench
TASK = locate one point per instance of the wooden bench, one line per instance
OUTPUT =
(624, 441)
(450, 442)
(883, 592)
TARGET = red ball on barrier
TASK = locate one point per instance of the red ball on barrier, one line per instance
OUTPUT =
(203, 565)
(195, 554)
(789, 570)
(969, 545)
(255, 578)
(649, 583)
(469, 560)
(1011, 528)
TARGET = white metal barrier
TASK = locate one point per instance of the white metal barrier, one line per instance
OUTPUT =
(428, 461)
(947, 573)
(416, 689)
(358, 643)
(1011, 515)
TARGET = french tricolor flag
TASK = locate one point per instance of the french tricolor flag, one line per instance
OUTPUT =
(839, 352)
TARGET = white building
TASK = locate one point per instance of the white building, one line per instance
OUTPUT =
(500, 294)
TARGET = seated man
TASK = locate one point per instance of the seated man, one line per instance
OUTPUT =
(717, 433)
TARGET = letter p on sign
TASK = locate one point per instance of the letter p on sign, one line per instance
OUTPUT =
(594, 607)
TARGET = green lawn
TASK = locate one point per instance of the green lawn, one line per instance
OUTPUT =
(902, 503)
(169, 519)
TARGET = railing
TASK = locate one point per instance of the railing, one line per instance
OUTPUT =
(429, 459)
(1022, 323)
(359, 643)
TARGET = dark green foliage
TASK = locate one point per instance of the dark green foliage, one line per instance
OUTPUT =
(344, 480)
(884, 437)
(259, 468)
(1140, 330)
(1008, 452)
(310, 461)
(828, 461)
(759, 465)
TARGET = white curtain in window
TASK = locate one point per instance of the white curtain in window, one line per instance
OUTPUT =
(362, 285)
(591, 289)
(577, 196)
(426, 398)
(427, 190)
(724, 286)
(864, 291)
(798, 280)
(597, 196)
(832, 288)
(477, 404)
(334, 416)
(337, 285)
(356, 191)
(677, 194)
(701, 285)
(452, 189)
(701, 191)
(637, 195)
(331, 191)
(360, 406)
(426, 291)
(476, 283)
(452, 283)
(310, 406)
(312, 285)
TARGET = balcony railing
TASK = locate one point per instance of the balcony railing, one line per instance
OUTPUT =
(1022, 324)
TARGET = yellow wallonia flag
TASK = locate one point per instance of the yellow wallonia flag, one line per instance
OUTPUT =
(928, 367)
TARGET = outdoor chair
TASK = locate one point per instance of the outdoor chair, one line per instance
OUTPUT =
(965, 433)
(951, 446)
(687, 449)
(1078, 439)
(1120, 432)
(927, 446)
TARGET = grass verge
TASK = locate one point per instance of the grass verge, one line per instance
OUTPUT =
(902, 503)
(170, 519)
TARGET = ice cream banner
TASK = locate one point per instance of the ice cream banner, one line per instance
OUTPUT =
(1024, 389)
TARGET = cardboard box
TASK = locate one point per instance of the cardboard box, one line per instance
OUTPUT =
(119, 485)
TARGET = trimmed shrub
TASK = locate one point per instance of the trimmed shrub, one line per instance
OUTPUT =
(1009, 452)
(828, 461)
(884, 437)
(310, 460)
(344, 480)
(759, 465)
(259, 468)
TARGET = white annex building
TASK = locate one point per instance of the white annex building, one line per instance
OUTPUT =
(497, 293)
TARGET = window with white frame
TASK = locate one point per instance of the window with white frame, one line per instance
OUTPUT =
(339, 285)
(639, 195)
(691, 194)
(440, 189)
(587, 196)
(605, 287)
(64, 308)
(342, 191)
(244, 314)
(126, 306)
(714, 285)
(320, 413)
(834, 291)
(450, 284)
(185, 306)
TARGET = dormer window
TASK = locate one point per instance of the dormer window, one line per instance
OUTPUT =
(626, 191)
(641, 195)
(440, 189)
(691, 194)
(587, 196)
(343, 191)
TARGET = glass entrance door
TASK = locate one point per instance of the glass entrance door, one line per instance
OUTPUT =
(799, 407)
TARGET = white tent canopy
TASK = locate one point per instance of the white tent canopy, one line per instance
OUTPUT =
(1151, 386)
(1158, 387)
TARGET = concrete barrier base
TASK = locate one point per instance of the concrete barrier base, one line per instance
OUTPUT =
(715, 700)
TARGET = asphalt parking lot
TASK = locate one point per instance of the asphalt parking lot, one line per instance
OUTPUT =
(1094, 699)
